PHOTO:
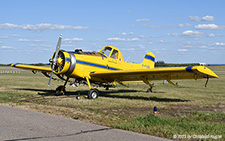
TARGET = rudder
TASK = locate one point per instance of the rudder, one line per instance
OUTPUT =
(149, 60)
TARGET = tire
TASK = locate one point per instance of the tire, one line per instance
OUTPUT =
(93, 94)
(60, 91)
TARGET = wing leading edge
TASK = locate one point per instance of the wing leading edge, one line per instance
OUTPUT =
(33, 68)
(191, 72)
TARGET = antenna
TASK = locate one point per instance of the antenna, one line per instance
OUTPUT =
(128, 58)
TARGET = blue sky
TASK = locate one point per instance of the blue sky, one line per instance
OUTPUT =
(176, 31)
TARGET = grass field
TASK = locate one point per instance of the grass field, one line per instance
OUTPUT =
(190, 109)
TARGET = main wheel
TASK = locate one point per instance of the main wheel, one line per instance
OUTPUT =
(93, 93)
(60, 91)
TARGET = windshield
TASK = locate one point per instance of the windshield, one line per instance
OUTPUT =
(106, 51)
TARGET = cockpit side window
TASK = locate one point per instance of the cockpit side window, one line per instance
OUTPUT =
(114, 54)
(106, 51)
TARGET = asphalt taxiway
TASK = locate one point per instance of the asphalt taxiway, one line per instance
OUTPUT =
(19, 124)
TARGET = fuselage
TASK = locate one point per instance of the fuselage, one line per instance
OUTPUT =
(79, 64)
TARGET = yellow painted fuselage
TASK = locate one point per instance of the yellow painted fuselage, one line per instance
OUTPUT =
(89, 62)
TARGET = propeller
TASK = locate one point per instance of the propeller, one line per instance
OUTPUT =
(54, 60)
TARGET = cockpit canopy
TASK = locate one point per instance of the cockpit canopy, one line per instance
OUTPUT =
(111, 52)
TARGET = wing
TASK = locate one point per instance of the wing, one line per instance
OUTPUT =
(32, 68)
(191, 72)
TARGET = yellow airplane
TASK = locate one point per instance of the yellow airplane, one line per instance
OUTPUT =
(107, 67)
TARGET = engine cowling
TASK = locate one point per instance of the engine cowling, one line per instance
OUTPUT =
(65, 64)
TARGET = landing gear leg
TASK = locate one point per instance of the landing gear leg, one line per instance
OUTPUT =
(61, 90)
(151, 86)
(93, 93)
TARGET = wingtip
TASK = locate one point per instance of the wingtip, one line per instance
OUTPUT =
(13, 65)
(207, 71)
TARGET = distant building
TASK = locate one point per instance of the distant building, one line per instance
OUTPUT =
(202, 64)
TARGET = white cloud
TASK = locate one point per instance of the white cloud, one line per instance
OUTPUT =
(6, 47)
(198, 19)
(203, 47)
(187, 24)
(41, 27)
(68, 40)
(133, 39)
(27, 40)
(180, 25)
(116, 39)
(8, 26)
(183, 25)
(122, 39)
(209, 26)
(182, 50)
(38, 41)
(172, 34)
(219, 44)
(15, 35)
(23, 40)
(142, 36)
(142, 20)
(195, 18)
(125, 34)
(211, 35)
(157, 26)
(207, 18)
(190, 33)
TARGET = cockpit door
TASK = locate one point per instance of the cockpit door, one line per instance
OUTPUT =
(113, 58)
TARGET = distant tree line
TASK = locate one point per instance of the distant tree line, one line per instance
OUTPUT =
(163, 64)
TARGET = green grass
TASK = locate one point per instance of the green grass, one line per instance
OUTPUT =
(199, 122)
(189, 109)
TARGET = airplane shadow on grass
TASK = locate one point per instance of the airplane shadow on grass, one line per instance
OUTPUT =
(108, 94)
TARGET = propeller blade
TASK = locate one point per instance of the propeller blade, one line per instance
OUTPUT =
(57, 49)
(54, 61)
(50, 78)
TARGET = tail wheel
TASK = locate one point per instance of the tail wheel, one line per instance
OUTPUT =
(149, 90)
(60, 90)
(93, 94)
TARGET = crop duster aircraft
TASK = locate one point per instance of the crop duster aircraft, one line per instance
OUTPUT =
(107, 67)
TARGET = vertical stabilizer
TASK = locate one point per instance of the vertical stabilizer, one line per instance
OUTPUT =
(149, 60)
